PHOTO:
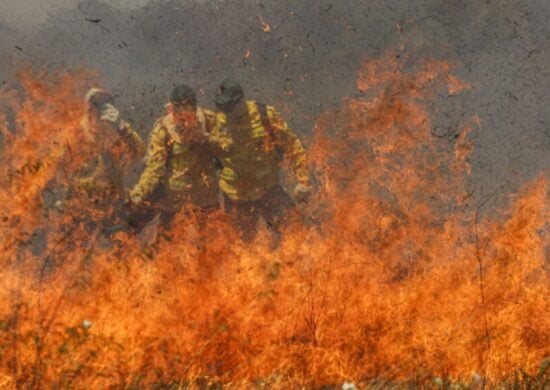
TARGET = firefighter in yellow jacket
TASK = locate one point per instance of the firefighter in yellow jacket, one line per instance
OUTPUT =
(106, 149)
(179, 158)
(112, 146)
(252, 142)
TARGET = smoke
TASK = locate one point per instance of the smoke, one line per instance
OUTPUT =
(303, 57)
(30, 12)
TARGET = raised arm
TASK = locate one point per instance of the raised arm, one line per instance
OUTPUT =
(131, 138)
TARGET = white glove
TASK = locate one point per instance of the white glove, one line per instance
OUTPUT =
(110, 113)
(302, 193)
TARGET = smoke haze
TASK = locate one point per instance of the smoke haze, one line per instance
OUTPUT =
(303, 57)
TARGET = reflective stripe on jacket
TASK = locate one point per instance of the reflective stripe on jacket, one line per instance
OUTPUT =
(185, 168)
(251, 155)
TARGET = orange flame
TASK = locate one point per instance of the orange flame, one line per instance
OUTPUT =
(383, 275)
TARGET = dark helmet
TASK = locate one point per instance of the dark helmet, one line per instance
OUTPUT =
(182, 95)
(97, 98)
(228, 95)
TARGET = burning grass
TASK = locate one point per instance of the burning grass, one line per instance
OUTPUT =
(384, 276)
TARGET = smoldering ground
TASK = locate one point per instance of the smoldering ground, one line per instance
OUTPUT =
(303, 56)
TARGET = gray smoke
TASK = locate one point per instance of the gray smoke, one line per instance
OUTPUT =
(307, 60)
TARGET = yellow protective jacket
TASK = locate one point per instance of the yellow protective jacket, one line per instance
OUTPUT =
(251, 154)
(186, 169)
(112, 148)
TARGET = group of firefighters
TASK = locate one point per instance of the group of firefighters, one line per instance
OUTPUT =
(197, 158)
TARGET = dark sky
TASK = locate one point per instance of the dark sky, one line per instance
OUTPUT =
(314, 48)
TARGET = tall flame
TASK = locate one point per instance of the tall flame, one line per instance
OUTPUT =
(384, 274)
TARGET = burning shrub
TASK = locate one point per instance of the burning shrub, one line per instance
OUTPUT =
(385, 274)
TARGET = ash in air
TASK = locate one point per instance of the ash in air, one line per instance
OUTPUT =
(302, 57)
(207, 194)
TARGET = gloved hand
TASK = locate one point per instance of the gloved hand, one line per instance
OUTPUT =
(132, 201)
(59, 205)
(111, 115)
(302, 193)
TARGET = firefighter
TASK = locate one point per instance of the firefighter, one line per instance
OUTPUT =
(179, 159)
(112, 146)
(253, 141)
(107, 148)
